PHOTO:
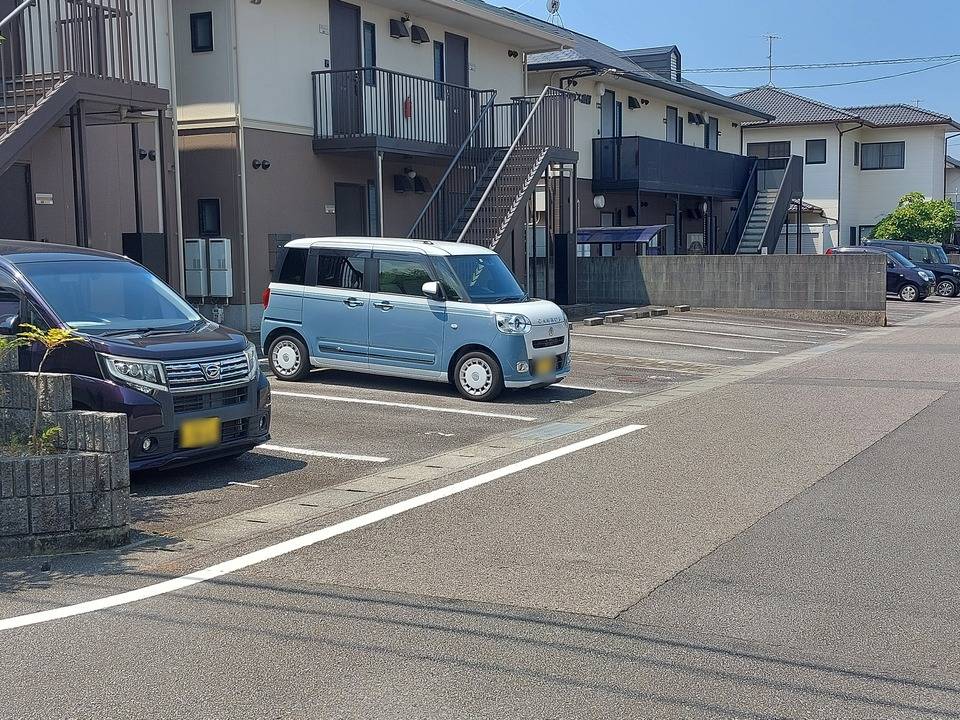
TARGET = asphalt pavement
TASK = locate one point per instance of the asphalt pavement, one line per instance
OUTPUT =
(716, 515)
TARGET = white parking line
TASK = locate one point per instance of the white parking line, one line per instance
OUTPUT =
(724, 334)
(678, 344)
(409, 406)
(303, 541)
(596, 389)
(319, 453)
(762, 327)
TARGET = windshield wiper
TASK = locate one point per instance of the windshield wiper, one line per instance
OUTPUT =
(141, 331)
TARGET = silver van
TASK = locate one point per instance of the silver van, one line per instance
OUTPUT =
(449, 312)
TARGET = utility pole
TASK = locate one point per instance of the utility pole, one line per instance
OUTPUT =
(770, 38)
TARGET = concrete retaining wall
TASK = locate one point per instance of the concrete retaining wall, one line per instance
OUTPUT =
(848, 288)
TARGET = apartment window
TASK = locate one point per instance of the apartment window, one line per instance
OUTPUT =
(816, 152)
(711, 134)
(674, 126)
(856, 154)
(201, 32)
(208, 217)
(369, 53)
(439, 74)
(373, 209)
(881, 156)
(779, 149)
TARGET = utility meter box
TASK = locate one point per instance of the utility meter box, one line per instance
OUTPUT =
(221, 267)
(196, 269)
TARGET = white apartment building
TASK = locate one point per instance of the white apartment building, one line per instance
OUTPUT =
(857, 161)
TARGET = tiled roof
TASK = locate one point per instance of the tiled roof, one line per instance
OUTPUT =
(790, 109)
(585, 51)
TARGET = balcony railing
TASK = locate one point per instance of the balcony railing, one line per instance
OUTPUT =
(640, 163)
(391, 110)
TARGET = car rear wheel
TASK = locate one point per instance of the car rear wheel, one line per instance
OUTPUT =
(909, 293)
(946, 288)
(288, 358)
(477, 377)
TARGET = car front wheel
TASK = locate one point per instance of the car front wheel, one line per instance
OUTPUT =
(288, 358)
(946, 288)
(909, 293)
(477, 377)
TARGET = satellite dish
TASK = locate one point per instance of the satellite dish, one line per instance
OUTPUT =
(553, 6)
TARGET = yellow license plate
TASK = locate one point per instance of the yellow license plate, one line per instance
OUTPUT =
(544, 365)
(200, 433)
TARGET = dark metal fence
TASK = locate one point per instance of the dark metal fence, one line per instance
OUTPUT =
(49, 41)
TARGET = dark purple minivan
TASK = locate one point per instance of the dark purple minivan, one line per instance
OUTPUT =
(191, 389)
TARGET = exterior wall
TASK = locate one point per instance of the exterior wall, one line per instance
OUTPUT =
(206, 82)
(647, 121)
(951, 189)
(866, 196)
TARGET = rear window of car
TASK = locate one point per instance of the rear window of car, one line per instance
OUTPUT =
(292, 268)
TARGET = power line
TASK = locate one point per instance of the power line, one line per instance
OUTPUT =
(816, 66)
(846, 82)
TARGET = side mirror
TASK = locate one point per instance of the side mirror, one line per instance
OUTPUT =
(432, 290)
(9, 324)
(889, 263)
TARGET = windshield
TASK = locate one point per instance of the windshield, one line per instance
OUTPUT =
(105, 296)
(899, 259)
(486, 279)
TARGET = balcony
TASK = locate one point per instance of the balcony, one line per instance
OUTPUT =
(640, 163)
(382, 110)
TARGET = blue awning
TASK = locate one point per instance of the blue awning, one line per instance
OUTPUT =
(633, 234)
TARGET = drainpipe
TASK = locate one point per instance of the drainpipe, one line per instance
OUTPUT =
(243, 175)
(175, 150)
(840, 134)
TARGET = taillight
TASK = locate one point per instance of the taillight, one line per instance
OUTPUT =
(828, 252)
(266, 297)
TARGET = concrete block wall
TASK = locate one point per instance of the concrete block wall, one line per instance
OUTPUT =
(812, 283)
(77, 497)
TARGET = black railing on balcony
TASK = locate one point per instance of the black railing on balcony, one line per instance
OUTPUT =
(632, 163)
(392, 109)
(738, 223)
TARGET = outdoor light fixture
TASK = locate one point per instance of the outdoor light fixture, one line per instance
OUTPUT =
(512, 54)
(633, 103)
(398, 28)
(402, 184)
(258, 164)
(255, 164)
(418, 35)
(410, 173)
(599, 202)
(147, 154)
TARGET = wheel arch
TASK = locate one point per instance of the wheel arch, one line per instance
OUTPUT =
(470, 347)
(277, 332)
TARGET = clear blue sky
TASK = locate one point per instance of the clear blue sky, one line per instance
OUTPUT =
(713, 34)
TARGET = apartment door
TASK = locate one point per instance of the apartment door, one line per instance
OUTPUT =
(346, 82)
(351, 209)
(16, 220)
(456, 70)
(610, 130)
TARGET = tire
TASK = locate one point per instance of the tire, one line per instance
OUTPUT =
(909, 293)
(288, 358)
(946, 288)
(477, 376)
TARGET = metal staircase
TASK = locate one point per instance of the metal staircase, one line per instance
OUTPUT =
(495, 172)
(772, 186)
(757, 222)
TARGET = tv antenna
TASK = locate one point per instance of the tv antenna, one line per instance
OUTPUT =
(553, 10)
(770, 38)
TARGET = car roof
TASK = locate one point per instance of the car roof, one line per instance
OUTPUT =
(874, 241)
(25, 251)
(427, 247)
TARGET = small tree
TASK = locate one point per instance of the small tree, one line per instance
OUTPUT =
(52, 340)
(918, 219)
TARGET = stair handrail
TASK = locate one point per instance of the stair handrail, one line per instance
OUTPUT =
(17, 11)
(506, 157)
(481, 116)
(792, 175)
(740, 218)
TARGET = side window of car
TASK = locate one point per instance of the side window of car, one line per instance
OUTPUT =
(339, 270)
(917, 254)
(10, 298)
(403, 277)
(293, 267)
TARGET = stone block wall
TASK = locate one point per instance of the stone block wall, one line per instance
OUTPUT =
(76, 498)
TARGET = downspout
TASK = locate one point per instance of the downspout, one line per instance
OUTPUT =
(175, 150)
(840, 134)
(243, 175)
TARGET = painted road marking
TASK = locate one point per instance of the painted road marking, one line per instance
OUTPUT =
(409, 406)
(594, 389)
(319, 453)
(642, 363)
(298, 543)
(677, 344)
(242, 484)
(762, 327)
(726, 334)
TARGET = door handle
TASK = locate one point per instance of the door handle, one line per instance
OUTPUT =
(353, 302)
(383, 305)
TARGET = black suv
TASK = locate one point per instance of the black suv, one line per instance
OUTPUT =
(929, 257)
(904, 279)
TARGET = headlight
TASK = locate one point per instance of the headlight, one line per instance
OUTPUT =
(139, 374)
(927, 274)
(513, 324)
(956, 271)
(253, 362)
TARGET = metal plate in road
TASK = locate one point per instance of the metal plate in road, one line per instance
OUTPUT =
(549, 431)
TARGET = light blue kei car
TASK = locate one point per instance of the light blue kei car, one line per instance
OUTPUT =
(448, 312)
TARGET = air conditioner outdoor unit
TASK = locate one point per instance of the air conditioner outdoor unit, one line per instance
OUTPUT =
(195, 268)
(221, 267)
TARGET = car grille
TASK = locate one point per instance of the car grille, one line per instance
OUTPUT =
(184, 403)
(191, 375)
(548, 342)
